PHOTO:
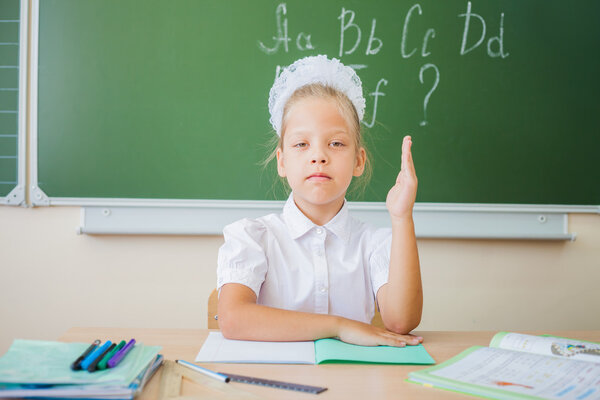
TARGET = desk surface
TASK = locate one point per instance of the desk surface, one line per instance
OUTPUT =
(344, 381)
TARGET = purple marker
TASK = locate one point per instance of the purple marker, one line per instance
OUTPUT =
(119, 355)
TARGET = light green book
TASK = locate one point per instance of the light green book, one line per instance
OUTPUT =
(218, 349)
(518, 366)
(36, 362)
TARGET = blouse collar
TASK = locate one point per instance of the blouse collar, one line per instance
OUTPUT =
(298, 224)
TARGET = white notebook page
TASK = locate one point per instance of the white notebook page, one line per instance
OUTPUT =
(218, 349)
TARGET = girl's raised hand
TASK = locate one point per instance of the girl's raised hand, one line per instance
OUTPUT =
(401, 197)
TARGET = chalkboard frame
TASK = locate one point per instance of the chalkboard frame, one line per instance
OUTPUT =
(208, 217)
(201, 217)
(16, 197)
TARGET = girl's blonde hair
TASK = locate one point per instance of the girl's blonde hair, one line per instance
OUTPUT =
(348, 112)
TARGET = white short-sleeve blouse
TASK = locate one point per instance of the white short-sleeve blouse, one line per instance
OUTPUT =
(293, 264)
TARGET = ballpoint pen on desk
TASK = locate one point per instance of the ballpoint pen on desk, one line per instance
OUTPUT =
(207, 372)
(103, 364)
(94, 365)
(77, 363)
(119, 355)
(95, 354)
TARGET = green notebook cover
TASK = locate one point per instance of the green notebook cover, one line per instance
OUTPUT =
(336, 351)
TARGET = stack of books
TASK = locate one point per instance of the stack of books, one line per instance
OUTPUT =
(42, 369)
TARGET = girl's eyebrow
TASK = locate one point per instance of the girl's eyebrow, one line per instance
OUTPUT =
(341, 130)
(334, 130)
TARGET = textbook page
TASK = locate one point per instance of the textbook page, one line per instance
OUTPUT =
(494, 372)
(218, 349)
(548, 345)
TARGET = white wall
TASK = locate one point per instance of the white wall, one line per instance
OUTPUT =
(52, 279)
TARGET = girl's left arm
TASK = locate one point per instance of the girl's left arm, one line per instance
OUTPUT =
(401, 298)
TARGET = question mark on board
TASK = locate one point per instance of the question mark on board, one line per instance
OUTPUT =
(437, 80)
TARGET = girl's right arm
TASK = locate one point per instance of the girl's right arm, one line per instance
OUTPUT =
(242, 319)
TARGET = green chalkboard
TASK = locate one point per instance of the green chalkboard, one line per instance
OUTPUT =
(168, 99)
(9, 94)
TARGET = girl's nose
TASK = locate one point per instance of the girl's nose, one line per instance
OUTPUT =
(318, 159)
(319, 155)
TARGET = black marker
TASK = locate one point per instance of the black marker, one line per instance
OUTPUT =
(77, 363)
(94, 364)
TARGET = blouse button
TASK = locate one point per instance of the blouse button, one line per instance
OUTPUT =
(319, 231)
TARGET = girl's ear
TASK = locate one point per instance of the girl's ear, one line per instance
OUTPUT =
(361, 159)
(280, 166)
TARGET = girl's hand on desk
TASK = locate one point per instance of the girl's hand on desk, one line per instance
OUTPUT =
(401, 197)
(355, 332)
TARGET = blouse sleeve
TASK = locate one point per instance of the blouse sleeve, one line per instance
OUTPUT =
(242, 257)
(379, 261)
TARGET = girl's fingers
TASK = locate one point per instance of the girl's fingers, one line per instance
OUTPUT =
(405, 158)
(405, 152)
(411, 336)
(414, 341)
(409, 164)
(394, 339)
(408, 339)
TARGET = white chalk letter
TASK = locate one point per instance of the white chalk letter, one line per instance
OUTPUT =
(430, 34)
(405, 31)
(468, 16)
(500, 40)
(282, 34)
(345, 26)
(372, 39)
(307, 44)
(375, 94)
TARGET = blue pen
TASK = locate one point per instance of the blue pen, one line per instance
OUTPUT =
(95, 354)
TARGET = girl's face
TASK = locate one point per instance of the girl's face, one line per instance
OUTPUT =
(318, 156)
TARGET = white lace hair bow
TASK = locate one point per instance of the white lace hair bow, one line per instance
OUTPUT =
(314, 69)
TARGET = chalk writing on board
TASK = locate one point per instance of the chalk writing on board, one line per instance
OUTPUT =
(428, 34)
(375, 94)
(348, 25)
(302, 40)
(345, 25)
(430, 92)
(303, 37)
(496, 39)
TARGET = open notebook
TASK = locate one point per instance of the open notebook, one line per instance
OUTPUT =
(519, 366)
(218, 349)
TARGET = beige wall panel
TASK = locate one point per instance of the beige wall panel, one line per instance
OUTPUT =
(52, 279)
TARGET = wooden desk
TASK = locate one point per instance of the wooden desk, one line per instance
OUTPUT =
(344, 381)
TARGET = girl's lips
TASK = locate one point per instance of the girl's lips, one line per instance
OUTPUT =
(318, 177)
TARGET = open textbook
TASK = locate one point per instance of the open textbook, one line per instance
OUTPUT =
(518, 366)
(218, 349)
